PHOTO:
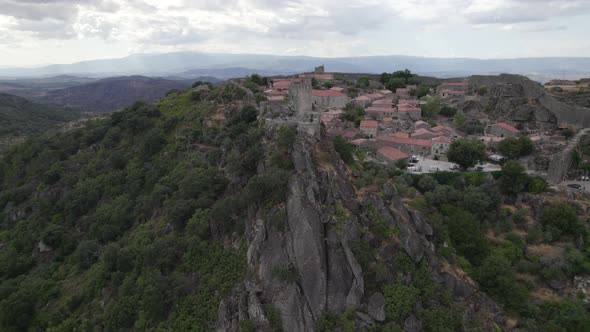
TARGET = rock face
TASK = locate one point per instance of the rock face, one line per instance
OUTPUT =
(519, 99)
(306, 267)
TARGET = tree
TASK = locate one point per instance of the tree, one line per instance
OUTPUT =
(559, 219)
(431, 108)
(344, 149)
(459, 119)
(514, 178)
(363, 83)
(448, 111)
(328, 84)
(466, 152)
(395, 83)
(354, 113)
(514, 148)
(399, 301)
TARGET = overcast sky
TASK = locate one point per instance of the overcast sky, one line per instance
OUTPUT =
(64, 31)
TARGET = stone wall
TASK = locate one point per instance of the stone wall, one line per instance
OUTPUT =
(300, 98)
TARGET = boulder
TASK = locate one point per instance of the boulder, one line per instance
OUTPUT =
(412, 324)
(376, 307)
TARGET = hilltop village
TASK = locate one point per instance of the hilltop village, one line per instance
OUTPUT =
(399, 120)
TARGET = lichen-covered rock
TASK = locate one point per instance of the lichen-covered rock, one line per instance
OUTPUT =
(376, 307)
(412, 324)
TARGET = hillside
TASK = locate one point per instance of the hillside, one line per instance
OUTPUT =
(112, 93)
(198, 213)
(20, 117)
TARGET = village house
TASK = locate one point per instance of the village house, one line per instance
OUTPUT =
(415, 113)
(401, 134)
(338, 88)
(502, 129)
(363, 101)
(330, 122)
(328, 99)
(386, 93)
(381, 112)
(334, 113)
(369, 128)
(383, 103)
(446, 131)
(374, 96)
(281, 84)
(402, 93)
(408, 145)
(441, 145)
(455, 86)
(423, 134)
(421, 125)
(408, 102)
(350, 134)
(452, 93)
(391, 155)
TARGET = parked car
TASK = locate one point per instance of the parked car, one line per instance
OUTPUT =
(574, 185)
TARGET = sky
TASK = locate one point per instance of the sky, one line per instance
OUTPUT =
(39, 32)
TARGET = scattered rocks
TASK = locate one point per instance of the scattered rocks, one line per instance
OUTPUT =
(412, 324)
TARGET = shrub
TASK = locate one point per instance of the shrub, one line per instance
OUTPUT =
(399, 301)
(559, 219)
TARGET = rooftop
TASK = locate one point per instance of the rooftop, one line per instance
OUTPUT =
(369, 124)
(442, 139)
(506, 126)
(408, 141)
(454, 84)
(327, 93)
(408, 109)
(392, 154)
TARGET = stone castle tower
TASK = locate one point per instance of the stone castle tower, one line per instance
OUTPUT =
(300, 98)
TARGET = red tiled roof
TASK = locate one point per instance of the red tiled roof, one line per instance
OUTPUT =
(401, 134)
(392, 154)
(419, 123)
(408, 109)
(407, 102)
(369, 124)
(409, 141)
(327, 93)
(401, 90)
(349, 133)
(383, 102)
(506, 127)
(337, 88)
(454, 84)
(453, 92)
(362, 98)
(422, 131)
(375, 95)
(281, 84)
(359, 141)
(387, 120)
(380, 110)
(327, 119)
(385, 92)
(442, 139)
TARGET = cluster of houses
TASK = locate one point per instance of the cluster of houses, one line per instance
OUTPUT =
(392, 125)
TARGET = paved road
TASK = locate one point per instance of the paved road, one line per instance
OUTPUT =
(425, 165)
(585, 185)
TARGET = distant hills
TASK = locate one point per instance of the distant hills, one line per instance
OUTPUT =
(223, 66)
(20, 117)
(112, 93)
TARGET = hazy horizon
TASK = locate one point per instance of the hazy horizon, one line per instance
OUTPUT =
(33, 32)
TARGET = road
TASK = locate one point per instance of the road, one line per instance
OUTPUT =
(585, 185)
(425, 165)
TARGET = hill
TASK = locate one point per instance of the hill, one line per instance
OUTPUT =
(20, 117)
(540, 69)
(112, 93)
(202, 212)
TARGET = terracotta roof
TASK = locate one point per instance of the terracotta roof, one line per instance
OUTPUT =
(327, 119)
(422, 131)
(407, 102)
(453, 92)
(380, 110)
(401, 134)
(442, 139)
(392, 154)
(359, 141)
(327, 93)
(402, 90)
(350, 133)
(385, 92)
(506, 126)
(281, 84)
(387, 119)
(408, 109)
(362, 98)
(420, 122)
(374, 95)
(369, 124)
(408, 141)
(454, 84)
(438, 128)
(535, 138)
(383, 102)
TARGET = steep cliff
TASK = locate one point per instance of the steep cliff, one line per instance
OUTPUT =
(304, 255)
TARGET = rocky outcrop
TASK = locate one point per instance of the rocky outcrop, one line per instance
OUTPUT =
(518, 99)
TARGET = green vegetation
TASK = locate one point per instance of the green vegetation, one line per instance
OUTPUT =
(344, 149)
(398, 79)
(432, 107)
(514, 148)
(132, 216)
(20, 117)
(466, 152)
(354, 113)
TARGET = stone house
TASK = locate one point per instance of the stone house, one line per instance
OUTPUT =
(369, 128)
(383, 103)
(328, 99)
(363, 101)
(440, 145)
(381, 112)
(452, 93)
(502, 129)
(421, 125)
(423, 134)
(391, 155)
(408, 145)
(415, 113)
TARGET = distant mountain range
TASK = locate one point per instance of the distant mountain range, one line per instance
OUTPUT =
(223, 66)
